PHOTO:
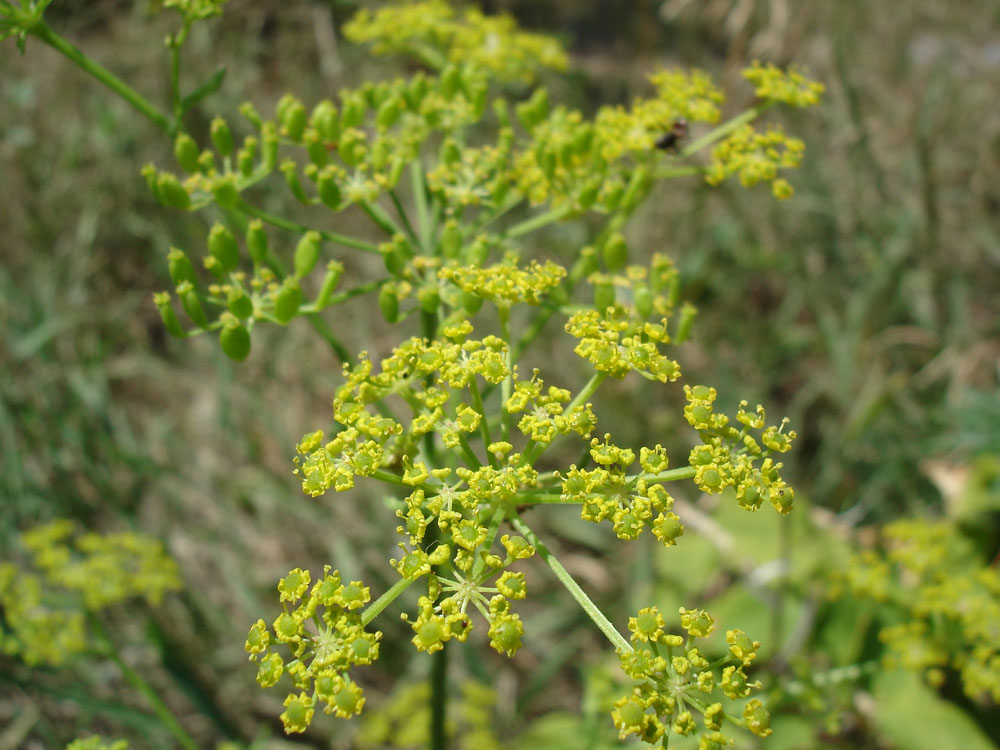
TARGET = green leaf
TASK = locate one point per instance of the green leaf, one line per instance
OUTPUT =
(913, 717)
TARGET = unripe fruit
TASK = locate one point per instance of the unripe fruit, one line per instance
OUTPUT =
(234, 338)
(222, 246)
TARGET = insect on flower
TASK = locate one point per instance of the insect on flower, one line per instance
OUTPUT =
(669, 140)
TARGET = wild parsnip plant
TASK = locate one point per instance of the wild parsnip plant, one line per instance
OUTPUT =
(454, 167)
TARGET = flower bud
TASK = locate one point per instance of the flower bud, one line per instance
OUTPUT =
(533, 111)
(451, 81)
(471, 303)
(234, 338)
(451, 153)
(222, 137)
(186, 152)
(475, 253)
(222, 246)
(334, 270)
(586, 264)
(638, 188)
(287, 301)
(429, 298)
(644, 298)
(352, 113)
(604, 295)
(415, 91)
(257, 242)
(307, 253)
(180, 266)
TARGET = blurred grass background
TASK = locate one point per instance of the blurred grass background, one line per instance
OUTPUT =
(864, 309)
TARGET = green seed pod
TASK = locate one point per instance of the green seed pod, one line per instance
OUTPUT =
(223, 247)
(287, 301)
(250, 113)
(257, 242)
(388, 113)
(234, 338)
(613, 189)
(533, 111)
(334, 270)
(475, 253)
(587, 196)
(215, 268)
(180, 266)
(239, 303)
(192, 305)
(429, 298)
(688, 313)
(395, 172)
(615, 252)
(289, 169)
(470, 302)
(247, 155)
(583, 138)
(604, 295)
(224, 190)
(326, 121)
(307, 253)
(149, 174)
(293, 123)
(186, 152)
(451, 239)
(352, 113)
(451, 81)
(316, 148)
(170, 191)
(206, 162)
(167, 314)
(328, 188)
(644, 299)
(222, 137)
(501, 188)
(269, 139)
(388, 302)
(586, 264)
(415, 91)
(380, 152)
(559, 295)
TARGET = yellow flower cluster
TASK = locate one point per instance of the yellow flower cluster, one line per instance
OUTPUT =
(756, 157)
(786, 86)
(676, 680)
(47, 626)
(946, 603)
(435, 33)
(322, 629)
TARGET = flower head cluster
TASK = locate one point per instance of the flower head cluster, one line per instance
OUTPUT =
(733, 457)
(96, 742)
(786, 86)
(756, 157)
(196, 10)
(944, 603)
(677, 681)
(42, 624)
(434, 32)
(505, 284)
(631, 502)
(616, 343)
(322, 628)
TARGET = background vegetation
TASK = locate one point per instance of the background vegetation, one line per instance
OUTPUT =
(864, 309)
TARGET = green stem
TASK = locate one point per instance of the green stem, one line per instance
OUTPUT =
(507, 386)
(538, 221)
(320, 326)
(175, 43)
(671, 475)
(44, 33)
(162, 711)
(404, 218)
(585, 602)
(374, 609)
(726, 128)
(380, 218)
(295, 227)
(419, 188)
(499, 514)
(439, 698)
